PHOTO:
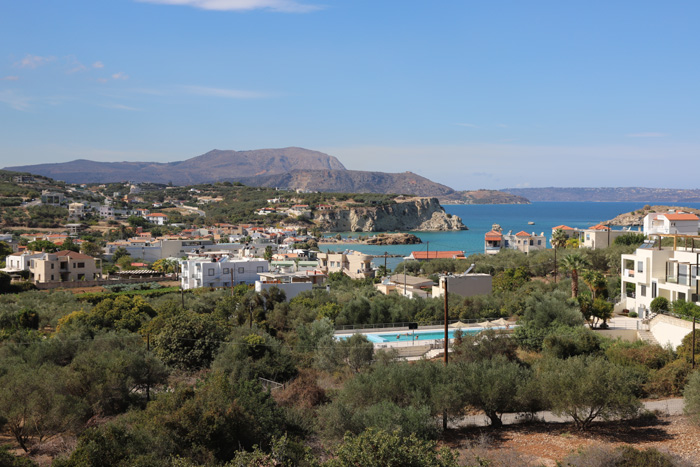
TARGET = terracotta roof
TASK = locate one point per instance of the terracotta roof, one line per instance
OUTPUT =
(156, 214)
(72, 254)
(493, 235)
(522, 233)
(600, 227)
(681, 216)
(437, 254)
(563, 227)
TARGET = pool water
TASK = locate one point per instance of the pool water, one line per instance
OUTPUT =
(416, 335)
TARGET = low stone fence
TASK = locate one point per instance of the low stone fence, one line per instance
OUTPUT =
(97, 282)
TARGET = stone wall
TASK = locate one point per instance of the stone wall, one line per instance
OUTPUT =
(669, 330)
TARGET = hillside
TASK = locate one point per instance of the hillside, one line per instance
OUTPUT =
(620, 194)
(351, 181)
(213, 166)
(482, 197)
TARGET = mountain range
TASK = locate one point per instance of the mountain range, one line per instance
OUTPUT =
(285, 168)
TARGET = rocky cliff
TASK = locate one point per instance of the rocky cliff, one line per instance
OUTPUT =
(637, 217)
(409, 214)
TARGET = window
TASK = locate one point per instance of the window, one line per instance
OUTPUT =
(211, 272)
(681, 296)
(643, 290)
(640, 266)
(683, 271)
(81, 265)
(52, 265)
(539, 242)
(653, 290)
(52, 274)
(260, 269)
(226, 271)
(241, 270)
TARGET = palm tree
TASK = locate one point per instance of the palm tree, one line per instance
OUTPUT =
(595, 280)
(558, 240)
(575, 262)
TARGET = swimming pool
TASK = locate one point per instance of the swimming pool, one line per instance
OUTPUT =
(408, 336)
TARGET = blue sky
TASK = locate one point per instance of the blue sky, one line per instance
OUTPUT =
(470, 94)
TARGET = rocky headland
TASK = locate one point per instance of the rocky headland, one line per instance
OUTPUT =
(419, 214)
(637, 217)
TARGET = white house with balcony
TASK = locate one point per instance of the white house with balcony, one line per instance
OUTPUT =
(351, 263)
(672, 222)
(652, 272)
(600, 236)
(220, 271)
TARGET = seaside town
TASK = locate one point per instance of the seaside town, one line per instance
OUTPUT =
(304, 233)
(117, 261)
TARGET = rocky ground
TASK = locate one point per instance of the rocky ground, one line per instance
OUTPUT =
(546, 443)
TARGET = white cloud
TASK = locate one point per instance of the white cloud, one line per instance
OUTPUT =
(10, 78)
(286, 6)
(225, 93)
(646, 135)
(33, 61)
(98, 65)
(120, 76)
(15, 100)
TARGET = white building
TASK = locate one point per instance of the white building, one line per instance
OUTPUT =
(20, 261)
(495, 241)
(653, 272)
(351, 263)
(76, 210)
(157, 218)
(600, 236)
(671, 223)
(291, 284)
(220, 272)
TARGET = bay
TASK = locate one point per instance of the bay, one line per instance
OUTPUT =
(480, 217)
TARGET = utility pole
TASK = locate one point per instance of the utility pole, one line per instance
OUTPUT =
(446, 332)
(148, 376)
(444, 413)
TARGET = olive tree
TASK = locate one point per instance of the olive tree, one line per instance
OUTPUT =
(586, 388)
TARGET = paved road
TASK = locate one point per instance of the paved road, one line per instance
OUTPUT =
(663, 407)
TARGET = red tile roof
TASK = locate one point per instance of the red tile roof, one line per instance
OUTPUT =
(563, 227)
(493, 235)
(522, 233)
(600, 227)
(681, 216)
(437, 254)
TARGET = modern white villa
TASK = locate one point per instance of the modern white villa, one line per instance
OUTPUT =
(654, 271)
(220, 271)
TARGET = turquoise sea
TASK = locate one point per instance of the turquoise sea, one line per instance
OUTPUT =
(515, 217)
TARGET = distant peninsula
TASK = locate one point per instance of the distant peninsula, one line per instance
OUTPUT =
(620, 194)
(482, 197)
(637, 217)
